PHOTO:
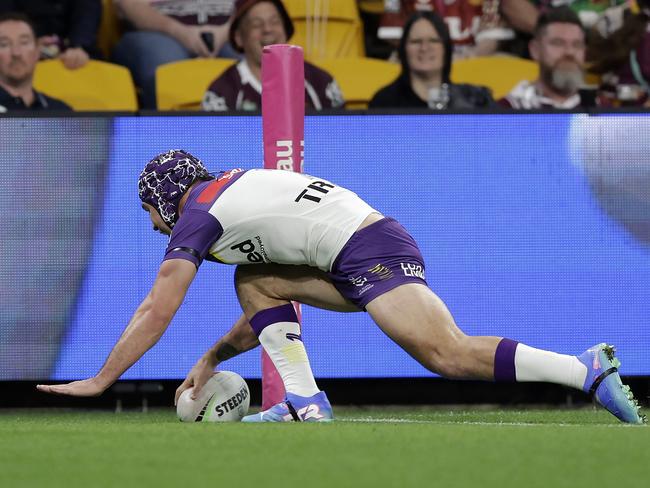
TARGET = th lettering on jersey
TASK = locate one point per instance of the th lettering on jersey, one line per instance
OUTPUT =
(315, 191)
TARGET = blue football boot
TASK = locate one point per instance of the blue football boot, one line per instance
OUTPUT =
(295, 408)
(604, 382)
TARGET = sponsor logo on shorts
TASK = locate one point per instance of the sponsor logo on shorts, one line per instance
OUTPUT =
(365, 289)
(358, 280)
(362, 283)
(412, 270)
(382, 272)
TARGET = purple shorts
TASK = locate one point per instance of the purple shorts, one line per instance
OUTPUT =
(375, 260)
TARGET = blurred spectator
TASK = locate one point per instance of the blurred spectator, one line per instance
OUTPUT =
(18, 57)
(475, 26)
(164, 31)
(522, 15)
(559, 48)
(425, 52)
(623, 59)
(66, 29)
(255, 24)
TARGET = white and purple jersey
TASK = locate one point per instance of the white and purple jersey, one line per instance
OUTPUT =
(266, 216)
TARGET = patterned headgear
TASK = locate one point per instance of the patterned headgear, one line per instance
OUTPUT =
(166, 178)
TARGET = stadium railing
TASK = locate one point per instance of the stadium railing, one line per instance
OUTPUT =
(110, 29)
(327, 28)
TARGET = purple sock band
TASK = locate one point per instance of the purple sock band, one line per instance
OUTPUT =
(504, 361)
(262, 319)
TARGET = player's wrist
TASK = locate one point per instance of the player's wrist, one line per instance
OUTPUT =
(102, 382)
(210, 359)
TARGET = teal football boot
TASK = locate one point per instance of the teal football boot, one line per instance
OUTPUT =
(604, 383)
(295, 408)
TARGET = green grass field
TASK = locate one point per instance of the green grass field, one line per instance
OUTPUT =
(374, 447)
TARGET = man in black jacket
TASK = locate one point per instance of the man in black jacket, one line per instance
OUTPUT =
(18, 57)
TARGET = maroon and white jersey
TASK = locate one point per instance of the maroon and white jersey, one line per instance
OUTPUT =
(468, 21)
(238, 89)
(266, 216)
(526, 96)
(196, 12)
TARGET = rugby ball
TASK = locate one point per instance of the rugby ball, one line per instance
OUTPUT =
(224, 398)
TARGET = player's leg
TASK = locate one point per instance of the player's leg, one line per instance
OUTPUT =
(414, 317)
(265, 293)
(263, 286)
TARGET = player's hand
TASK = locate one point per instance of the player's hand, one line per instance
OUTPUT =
(197, 378)
(74, 57)
(84, 388)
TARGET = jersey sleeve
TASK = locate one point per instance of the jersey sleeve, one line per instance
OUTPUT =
(193, 236)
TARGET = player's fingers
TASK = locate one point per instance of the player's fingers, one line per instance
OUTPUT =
(198, 385)
(53, 389)
(184, 386)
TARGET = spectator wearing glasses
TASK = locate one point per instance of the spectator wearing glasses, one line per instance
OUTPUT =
(255, 24)
(425, 52)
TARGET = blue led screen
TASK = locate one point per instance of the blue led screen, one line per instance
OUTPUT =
(534, 227)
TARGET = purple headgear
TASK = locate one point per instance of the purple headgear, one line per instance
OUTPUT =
(166, 178)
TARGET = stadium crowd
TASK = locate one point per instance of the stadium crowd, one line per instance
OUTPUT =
(585, 53)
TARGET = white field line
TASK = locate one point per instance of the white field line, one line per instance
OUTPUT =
(369, 420)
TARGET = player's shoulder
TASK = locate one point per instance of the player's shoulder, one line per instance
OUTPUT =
(203, 194)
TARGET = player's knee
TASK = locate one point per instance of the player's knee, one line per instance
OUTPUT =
(451, 360)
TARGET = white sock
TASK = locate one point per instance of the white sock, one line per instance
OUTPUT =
(538, 365)
(283, 343)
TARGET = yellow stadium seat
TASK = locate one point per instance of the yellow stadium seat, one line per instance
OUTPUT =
(372, 6)
(97, 86)
(326, 28)
(360, 78)
(500, 73)
(181, 85)
(110, 29)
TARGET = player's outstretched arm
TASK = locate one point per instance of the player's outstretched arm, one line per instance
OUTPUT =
(147, 325)
(239, 339)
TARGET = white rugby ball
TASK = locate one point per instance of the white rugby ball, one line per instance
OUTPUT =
(224, 398)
